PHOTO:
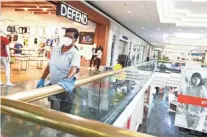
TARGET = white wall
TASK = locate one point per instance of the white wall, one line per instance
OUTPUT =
(134, 110)
(118, 30)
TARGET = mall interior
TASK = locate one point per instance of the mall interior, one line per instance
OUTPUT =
(122, 68)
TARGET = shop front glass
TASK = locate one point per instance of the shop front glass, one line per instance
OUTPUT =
(143, 53)
(123, 47)
(32, 34)
(112, 49)
(135, 54)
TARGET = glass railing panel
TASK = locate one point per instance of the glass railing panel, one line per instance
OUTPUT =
(104, 99)
(15, 127)
(170, 66)
(204, 65)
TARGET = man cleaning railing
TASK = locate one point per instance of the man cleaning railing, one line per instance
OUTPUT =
(64, 62)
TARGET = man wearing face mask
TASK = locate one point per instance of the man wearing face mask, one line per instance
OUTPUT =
(64, 62)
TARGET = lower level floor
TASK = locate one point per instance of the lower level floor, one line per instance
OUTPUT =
(159, 122)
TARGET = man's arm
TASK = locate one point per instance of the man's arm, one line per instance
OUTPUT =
(6, 42)
(72, 71)
(8, 51)
(46, 72)
(41, 82)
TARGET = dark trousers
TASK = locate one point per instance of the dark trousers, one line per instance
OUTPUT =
(63, 101)
(98, 60)
(93, 60)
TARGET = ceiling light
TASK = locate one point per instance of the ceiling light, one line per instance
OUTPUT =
(37, 6)
(154, 43)
(181, 17)
(77, 23)
(129, 12)
(49, 13)
(201, 30)
(44, 9)
(25, 9)
(32, 12)
(179, 29)
(150, 35)
(158, 28)
(143, 28)
(189, 35)
(199, 0)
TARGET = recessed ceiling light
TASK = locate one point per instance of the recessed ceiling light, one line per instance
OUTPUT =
(25, 9)
(37, 6)
(201, 30)
(179, 29)
(49, 13)
(44, 9)
(129, 12)
(143, 28)
(189, 35)
(158, 28)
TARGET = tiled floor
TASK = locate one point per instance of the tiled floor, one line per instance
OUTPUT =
(18, 75)
(159, 122)
(32, 72)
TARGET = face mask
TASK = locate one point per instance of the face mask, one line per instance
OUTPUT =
(65, 41)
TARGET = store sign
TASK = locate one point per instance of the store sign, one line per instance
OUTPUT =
(124, 38)
(70, 12)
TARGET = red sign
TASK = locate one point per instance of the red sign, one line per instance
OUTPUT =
(128, 123)
(192, 100)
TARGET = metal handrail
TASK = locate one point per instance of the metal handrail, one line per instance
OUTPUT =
(64, 122)
(13, 105)
(36, 94)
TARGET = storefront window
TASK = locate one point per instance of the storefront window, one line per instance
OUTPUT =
(112, 49)
(135, 54)
(40, 32)
(122, 47)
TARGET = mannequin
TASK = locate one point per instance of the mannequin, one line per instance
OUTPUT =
(5, 57)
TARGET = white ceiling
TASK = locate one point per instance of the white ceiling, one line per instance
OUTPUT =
(163, 23)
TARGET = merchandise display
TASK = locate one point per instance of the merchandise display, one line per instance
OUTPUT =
(33, 37)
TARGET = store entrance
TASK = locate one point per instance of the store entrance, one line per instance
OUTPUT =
(135, 54)
(123, 47)
(112, 49)
(143, 53)
(32, 35)
(124, 52)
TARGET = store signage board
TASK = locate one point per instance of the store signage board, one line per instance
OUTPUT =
(124, 38)
(71, 13)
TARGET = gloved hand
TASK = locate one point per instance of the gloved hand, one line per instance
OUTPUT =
(67, 84)
(41, 83)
